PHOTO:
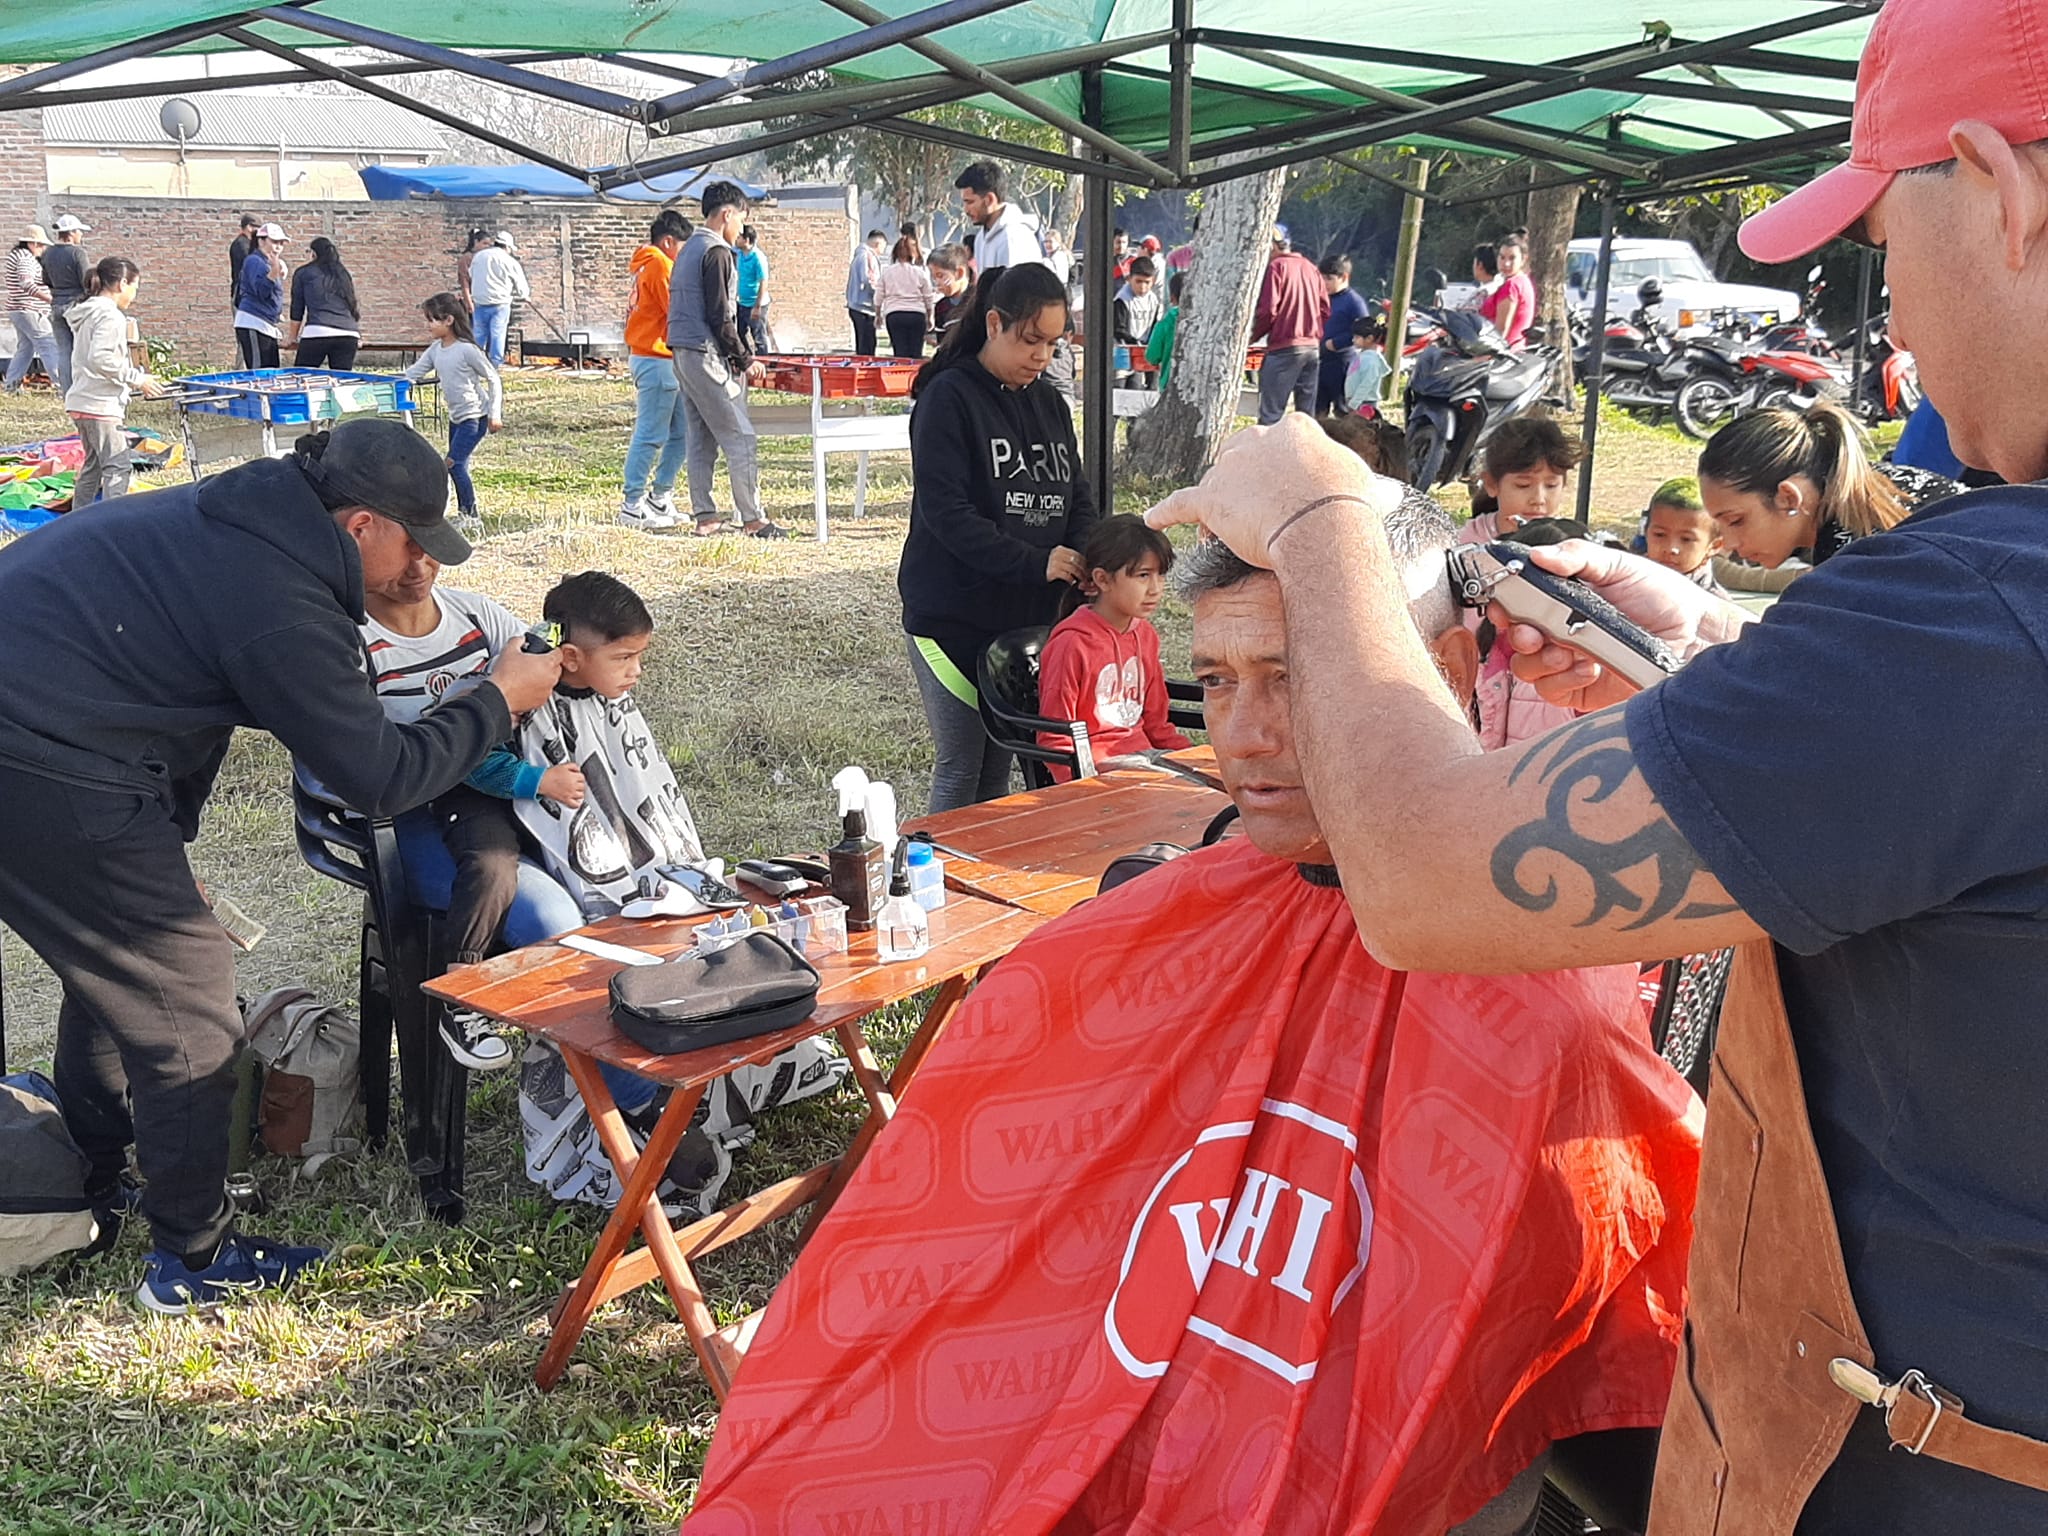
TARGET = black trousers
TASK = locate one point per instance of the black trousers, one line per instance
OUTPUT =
(906, 332)
(257, 349)
(863, 333)
(483, 837)
(97, 884)
(337, 352)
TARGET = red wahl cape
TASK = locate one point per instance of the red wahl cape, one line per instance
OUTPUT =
(1200, 1220)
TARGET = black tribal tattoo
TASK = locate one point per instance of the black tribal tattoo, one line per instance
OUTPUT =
(1587, 762)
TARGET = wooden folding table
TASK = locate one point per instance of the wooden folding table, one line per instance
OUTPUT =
(1045, 850)
(561, 995)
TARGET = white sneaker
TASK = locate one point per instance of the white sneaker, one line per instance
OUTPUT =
(664, 502)
(642, 513)
(473, 1040)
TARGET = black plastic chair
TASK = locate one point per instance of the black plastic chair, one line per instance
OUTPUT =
(1688, 1016)
(1007, 679)
(398, 955)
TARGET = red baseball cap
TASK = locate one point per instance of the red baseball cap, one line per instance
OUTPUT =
(1928, 65)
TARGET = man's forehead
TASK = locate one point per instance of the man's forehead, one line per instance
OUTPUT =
(1244, 616)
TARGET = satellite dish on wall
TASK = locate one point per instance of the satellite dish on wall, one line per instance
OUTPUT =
(179, 119)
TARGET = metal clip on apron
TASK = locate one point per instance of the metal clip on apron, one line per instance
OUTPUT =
(1776, 1361)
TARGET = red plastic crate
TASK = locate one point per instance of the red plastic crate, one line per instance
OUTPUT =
(841, 377)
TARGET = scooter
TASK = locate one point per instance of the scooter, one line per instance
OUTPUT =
(1769, 380)
(1462, 388)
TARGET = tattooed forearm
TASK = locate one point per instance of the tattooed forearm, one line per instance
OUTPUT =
(1584, 764)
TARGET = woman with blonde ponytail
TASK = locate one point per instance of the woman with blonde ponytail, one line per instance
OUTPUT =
(1785, 482)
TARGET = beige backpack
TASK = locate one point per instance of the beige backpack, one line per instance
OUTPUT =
(310, 1053)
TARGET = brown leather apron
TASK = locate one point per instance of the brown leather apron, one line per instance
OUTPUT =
(1776, 1364)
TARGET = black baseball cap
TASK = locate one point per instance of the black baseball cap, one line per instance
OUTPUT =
(388, 467)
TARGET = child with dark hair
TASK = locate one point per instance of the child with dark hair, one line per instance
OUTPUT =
(470, 386)
(1525, 473)
(1101, 664)
(633, 824)
(1679, 532)
(1366, 373)
(1526, 478)
(1382, 445)
(1159, 350)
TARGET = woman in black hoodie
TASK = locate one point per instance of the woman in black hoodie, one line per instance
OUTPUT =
(998, 509)
(326, 318)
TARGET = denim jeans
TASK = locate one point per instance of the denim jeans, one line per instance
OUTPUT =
(60, 328)
(489, 321)
(33, 338)
(661, 435)
(463, 436)
(540, 910)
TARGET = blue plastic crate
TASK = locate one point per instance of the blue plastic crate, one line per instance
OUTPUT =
(297, 396)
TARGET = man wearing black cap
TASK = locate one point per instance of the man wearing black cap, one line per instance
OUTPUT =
(139, 638)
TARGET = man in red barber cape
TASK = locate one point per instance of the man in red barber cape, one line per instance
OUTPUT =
(1198, 1219)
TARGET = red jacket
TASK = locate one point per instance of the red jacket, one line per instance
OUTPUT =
(1293, 303)
(1111, 681)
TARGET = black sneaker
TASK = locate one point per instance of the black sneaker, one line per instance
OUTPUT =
(475, 1041)
(765, 530)
(110, 1207)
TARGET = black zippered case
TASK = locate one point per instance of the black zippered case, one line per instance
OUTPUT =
(753, 987)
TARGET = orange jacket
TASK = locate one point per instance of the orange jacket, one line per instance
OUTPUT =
(647, 315)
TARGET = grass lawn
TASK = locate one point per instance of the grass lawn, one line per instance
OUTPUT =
(393, 1391)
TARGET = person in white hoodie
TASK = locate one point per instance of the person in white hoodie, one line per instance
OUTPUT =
(102, 377)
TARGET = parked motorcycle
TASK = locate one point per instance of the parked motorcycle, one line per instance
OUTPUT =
(1646, 366)
(1460, 391)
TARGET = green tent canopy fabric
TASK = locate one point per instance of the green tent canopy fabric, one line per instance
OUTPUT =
(1787, 98)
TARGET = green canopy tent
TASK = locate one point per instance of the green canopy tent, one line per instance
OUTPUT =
(1634, 96)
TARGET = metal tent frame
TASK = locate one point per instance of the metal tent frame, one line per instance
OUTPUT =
(1310, 108)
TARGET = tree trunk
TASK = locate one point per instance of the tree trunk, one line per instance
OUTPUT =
(1067, 207)
(1175, 441)
(1552, 213)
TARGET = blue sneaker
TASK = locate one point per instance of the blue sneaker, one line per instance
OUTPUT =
(243, 1264)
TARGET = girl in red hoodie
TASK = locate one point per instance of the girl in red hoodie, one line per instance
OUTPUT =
(1101, 663)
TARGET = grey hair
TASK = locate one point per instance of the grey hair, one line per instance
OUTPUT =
(1418, 533)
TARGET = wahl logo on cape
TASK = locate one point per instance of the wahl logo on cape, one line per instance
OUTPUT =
(1251, 1239)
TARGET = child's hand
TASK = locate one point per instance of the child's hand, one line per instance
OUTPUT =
(563, 784)
(497, 426)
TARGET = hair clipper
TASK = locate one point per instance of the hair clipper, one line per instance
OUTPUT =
(542, 638)
(1563, 607)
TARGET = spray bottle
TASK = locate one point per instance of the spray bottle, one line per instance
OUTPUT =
(860, 870)
(906, 932)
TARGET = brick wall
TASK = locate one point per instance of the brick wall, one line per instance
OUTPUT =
(575, 254)
(21, 162)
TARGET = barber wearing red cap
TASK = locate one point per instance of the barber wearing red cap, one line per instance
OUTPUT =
(1854, 790)
(138, 637)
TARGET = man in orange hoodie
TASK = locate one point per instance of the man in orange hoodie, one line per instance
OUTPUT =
(660, 439)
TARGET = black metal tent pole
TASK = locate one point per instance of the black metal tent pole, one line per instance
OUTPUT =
(85, 95)
(1482, 130)
(1596, 345)
(1098, 278)
(1863, 271)
(119, 53)
(321, 69)
(479, 66)
(1616, 68)
(824, 55)
(1021, 99)
(1180, 134)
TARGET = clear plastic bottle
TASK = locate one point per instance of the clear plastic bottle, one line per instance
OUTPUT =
(902, 930)
(927, 877)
